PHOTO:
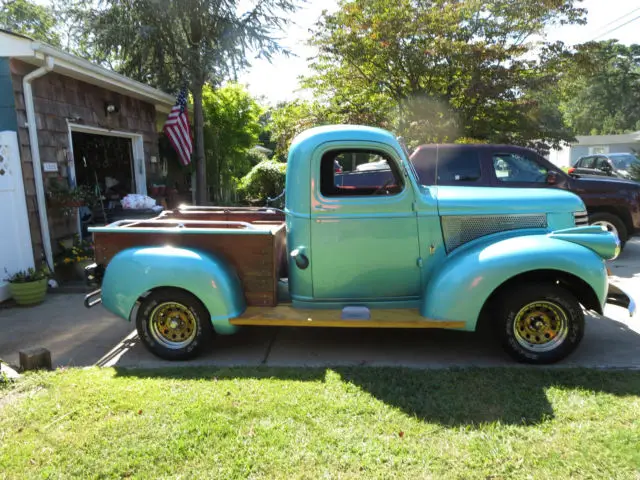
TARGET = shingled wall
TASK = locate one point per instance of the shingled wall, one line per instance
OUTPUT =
(57, 98)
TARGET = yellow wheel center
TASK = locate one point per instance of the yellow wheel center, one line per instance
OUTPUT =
(540, 323)
(173, 324)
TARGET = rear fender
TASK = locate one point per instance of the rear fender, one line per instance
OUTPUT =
(133, 272)
(469, 276)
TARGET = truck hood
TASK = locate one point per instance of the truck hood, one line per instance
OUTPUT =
(501, 201)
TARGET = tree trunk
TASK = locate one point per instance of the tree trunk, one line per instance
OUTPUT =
(202, 197)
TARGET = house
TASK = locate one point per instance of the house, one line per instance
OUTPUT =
(593, 144)
(66, 121)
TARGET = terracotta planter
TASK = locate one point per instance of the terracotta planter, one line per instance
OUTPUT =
(29, 293)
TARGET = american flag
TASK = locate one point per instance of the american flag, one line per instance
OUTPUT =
(178, 130)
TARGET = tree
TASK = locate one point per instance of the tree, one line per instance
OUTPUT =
(167, 44)
(288, 119)
(440, 70)
(600, 89)
(30, 19)
(231, 129)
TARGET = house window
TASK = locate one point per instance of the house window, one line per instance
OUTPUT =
(359, 173)
(598, 149)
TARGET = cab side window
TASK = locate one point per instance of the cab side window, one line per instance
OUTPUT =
(359, 173)
(588, 162)
(602, 164)
(511, 167)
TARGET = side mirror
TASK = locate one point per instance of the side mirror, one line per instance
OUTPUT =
(552, 177)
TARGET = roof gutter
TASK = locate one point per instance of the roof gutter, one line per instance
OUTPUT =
(35, 155)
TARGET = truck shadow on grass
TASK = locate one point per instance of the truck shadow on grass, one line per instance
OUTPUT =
(456, 397)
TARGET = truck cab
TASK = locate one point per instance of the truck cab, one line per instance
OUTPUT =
(362, 245)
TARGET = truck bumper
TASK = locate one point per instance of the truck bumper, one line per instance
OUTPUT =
(617, 296)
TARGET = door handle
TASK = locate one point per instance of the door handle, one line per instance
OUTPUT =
(302, 261)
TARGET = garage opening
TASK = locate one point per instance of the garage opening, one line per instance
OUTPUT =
(105, 162)
(107, 165)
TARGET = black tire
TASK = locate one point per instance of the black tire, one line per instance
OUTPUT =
(188, 310)
(555, 304)
(613, 220)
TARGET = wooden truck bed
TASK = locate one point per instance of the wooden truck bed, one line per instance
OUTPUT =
(256, 249)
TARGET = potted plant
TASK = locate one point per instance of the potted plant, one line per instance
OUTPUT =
(64, 198)
(28, 287)
(72, 259)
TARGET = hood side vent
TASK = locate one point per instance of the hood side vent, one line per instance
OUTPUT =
(458, 230)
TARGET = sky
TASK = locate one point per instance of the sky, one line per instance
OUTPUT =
(278, 80)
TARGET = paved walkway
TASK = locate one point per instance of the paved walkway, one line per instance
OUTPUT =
(77, 336)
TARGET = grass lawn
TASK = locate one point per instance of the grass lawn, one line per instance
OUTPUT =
(322, 423)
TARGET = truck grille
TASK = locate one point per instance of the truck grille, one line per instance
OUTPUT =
(581, 219)
(458, 230)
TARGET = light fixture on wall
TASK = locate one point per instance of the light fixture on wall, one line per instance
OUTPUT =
(110, 107)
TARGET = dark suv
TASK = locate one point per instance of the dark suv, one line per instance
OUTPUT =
(611, 202)
(610, 164)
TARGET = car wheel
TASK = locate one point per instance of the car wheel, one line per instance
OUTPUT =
(540, 324)
(173, 324)
(612, 223)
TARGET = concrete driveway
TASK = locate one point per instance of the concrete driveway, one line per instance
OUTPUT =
(76, 336)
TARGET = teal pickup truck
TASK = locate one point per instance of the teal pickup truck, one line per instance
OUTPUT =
(380, 253)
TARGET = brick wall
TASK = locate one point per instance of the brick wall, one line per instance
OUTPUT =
(57, 98)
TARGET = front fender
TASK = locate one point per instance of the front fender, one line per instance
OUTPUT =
(134, 271)
(467, 278)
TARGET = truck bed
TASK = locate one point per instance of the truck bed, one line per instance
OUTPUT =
(250, 240)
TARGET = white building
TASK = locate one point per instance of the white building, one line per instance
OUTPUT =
(594, 144)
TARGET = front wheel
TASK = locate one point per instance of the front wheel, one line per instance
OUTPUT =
(540, 324)
(173, 324)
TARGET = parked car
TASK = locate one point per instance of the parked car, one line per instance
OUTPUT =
(610, 201)
(388, 255)
(610, 164)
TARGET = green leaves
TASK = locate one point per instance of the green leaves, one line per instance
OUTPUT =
(439, 70)
(36, 21)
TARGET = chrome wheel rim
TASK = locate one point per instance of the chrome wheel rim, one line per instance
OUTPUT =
(610, 227)
(172, 325)
(541, 326)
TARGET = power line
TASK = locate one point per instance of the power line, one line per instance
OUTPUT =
(614, 29)
(619, 18)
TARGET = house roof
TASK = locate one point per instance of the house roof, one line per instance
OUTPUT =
(34, 52)
(632, 137)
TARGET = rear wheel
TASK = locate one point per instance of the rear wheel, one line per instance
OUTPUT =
(173, 324)
(612, 223)
(540, 324)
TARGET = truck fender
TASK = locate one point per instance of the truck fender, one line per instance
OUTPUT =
(134, 272)
(468, 277)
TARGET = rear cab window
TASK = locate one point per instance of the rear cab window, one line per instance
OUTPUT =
(458, 166)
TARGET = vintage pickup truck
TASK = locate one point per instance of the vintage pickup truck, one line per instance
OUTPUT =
(359, 254)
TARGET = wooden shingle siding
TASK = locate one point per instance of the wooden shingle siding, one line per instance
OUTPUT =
(56, 98)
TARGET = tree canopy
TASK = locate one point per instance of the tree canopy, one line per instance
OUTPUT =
(439, 70)
(31, 19)
(231, 129)
(600, 88)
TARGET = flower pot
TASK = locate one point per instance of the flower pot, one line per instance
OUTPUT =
(29, 293)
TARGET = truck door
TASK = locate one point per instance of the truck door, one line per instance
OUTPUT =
(364, 240)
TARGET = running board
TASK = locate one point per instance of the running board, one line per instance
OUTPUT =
(350, 317)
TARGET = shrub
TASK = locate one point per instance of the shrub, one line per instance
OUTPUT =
(266, 179)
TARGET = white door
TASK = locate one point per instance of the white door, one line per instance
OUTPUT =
(15, 240)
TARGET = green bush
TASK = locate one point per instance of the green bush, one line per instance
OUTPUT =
(266, 179)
